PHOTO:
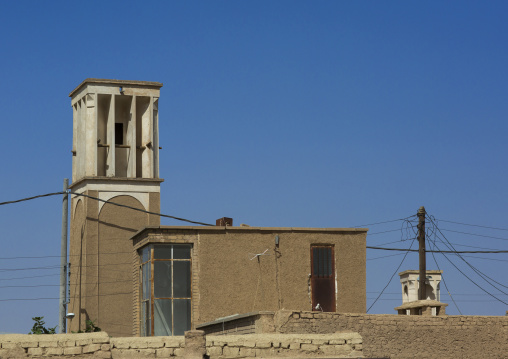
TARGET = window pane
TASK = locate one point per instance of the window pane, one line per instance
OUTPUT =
(145, 254)
(162, 279)
(182, 279)
(145, 318)
(329, 261)
(315, 261)
(162, 317)
(321, 262)
(181, 252)
(145, 271)
(182, 315)
(162, 252)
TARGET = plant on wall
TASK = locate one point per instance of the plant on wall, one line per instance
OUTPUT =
(39, 327)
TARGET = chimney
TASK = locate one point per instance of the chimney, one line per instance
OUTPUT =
(224, 221)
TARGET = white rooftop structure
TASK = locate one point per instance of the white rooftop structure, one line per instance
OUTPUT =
(409, 280)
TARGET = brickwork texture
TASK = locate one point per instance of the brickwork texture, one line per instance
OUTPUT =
(401, 336)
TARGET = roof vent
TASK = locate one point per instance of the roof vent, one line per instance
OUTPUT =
(224, 221)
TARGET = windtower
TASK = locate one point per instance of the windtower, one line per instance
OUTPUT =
(409, 281)
(115, 159)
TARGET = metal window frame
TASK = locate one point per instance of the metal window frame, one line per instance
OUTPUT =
(152, 299)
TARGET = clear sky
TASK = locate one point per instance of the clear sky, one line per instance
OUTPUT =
(285, 113)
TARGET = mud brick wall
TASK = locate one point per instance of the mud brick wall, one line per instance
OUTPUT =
(284, 345)
(401, 336)
(100, 345)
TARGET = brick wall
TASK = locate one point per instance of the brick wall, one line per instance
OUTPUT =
(88, 345)
(100, 345)
(400, 336)
(285, 345)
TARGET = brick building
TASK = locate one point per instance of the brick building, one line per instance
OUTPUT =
(132, 276)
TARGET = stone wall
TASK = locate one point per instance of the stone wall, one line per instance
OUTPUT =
(193, 346)
(401, 336)
(345, 345)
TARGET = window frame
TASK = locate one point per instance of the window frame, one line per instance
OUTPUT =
(150, 262)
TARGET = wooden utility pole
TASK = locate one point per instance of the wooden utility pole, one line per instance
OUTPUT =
(422, 293)
(63, 261)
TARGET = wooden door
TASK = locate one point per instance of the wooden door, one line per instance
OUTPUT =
(323, 278)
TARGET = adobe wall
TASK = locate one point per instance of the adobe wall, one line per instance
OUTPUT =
(192, 346)
(227, 279)
(101, 257)
(400, 336)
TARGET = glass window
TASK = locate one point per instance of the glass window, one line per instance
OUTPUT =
(166, 295)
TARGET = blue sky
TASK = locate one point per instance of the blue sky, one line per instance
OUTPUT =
(287, 113)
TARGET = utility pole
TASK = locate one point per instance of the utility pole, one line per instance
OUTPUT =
(422, 293)
(63, 260)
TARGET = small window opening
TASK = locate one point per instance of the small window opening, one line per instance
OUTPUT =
(118, 133)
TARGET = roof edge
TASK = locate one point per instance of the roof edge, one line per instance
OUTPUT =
(244, 229)
(115, 82)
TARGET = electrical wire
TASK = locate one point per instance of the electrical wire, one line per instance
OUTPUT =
(70, 255)
(474, 225)
(440, 251)
(393, 220)
(446, 287)
(472, 281)
(480, 273)
(30, 198)
(386, 286)
(391, 230)
(463, 245)
(34, 276)
(475, 234)
(101, 200)
(490, 259)
(142, 210)
(389, 255)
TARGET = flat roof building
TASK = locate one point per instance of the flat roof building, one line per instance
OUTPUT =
(131, 276)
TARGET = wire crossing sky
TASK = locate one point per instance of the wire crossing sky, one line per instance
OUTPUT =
(287, 113)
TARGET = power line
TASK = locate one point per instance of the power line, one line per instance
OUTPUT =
(432, 251)
(464, 245)
(475, 234)
(101, 200)
(384, 244)
(477, 271)
(459, 300)
(456, 294)
(446, 287)
(32, 268)
(474, 225)
(373, 224)
(472, 281)
(481, 274)
(386, 286)
(30, 198)
(70, 255)
(490, 259)
(73, 297)
(389, 255)
(30, 277)
(142, 210)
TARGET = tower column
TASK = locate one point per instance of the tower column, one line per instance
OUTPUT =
(110, 127)
(131, 140)
(115, 138)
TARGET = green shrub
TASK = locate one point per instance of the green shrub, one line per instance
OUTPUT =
(39, 327)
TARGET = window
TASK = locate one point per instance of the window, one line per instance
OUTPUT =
(118, 133)
(165, 273)
(322, 261)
